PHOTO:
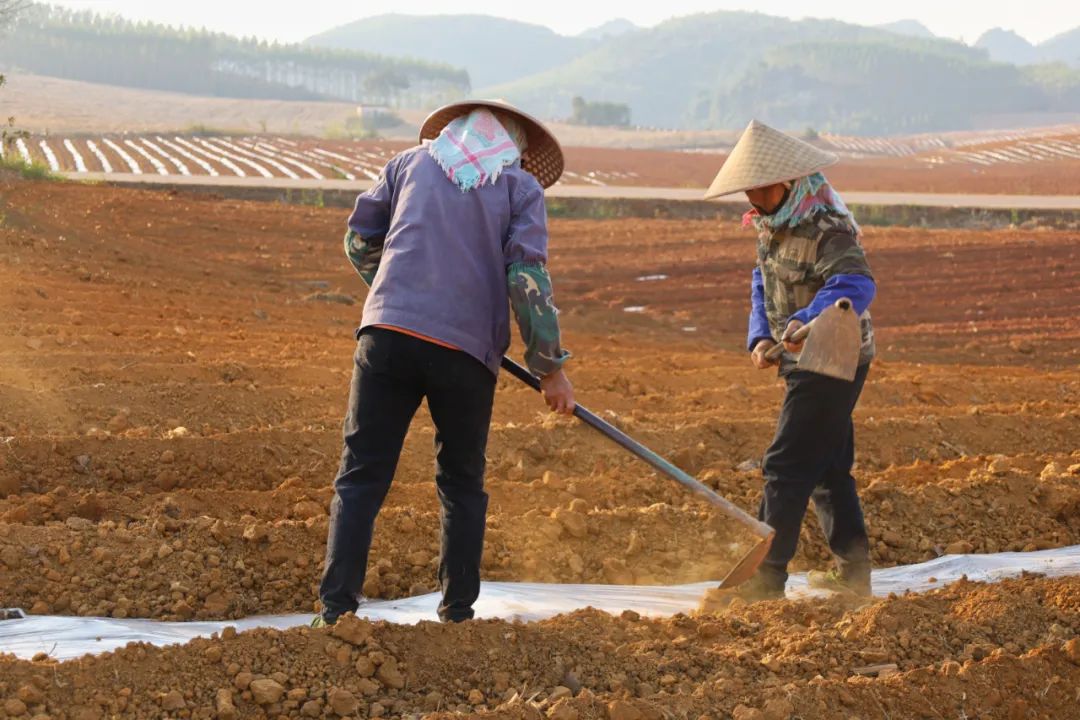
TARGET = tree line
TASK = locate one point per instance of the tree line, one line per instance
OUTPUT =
(83, 45)
(585, 112)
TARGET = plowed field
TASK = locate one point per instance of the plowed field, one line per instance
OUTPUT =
(172, 378)
(1042, 166)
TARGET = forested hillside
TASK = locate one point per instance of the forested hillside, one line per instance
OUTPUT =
(86, 46)
(875, 87)
(718, 70)
(1007, 46)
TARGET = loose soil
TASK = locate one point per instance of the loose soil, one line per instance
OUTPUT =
(173, 373)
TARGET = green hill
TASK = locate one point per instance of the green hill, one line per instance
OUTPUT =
(718, 70)
(911, 28)
(493, 50)
(871, 88)
(57, 42)
(1007, 46)
(1063, 48)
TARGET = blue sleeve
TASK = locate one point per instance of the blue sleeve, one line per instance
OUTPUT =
(860, 289)
(759, 321)
(370, 217)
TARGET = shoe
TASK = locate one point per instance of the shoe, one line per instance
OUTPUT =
(855, 583)
(753, 590)
(759, 588)
(320, 622)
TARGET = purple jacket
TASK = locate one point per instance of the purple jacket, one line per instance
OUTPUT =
(446, 252)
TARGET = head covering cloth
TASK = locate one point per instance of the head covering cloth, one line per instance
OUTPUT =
(542, 156)
(808, 197)
(474, 148)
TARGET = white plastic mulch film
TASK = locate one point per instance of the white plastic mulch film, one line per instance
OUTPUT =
(70, 637)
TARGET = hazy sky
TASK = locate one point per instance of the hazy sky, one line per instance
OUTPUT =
(958, 19)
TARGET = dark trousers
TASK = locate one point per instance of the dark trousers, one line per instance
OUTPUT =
(393, 372)
(811, 457)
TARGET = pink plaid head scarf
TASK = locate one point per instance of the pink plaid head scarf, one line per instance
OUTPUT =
(475, 148)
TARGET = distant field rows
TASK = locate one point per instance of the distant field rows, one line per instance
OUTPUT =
(209, 156)
(1024, 162)
(983, 147)
(227, 156)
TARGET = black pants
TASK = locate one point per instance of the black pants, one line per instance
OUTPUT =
(393, 372)
(811, 457)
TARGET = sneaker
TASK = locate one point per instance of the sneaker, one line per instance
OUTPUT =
(320, 622)
(838, 582)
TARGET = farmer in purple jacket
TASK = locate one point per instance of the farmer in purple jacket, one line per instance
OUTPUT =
(452, 234)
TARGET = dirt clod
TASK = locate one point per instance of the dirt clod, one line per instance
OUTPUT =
(266, 691)
(623, 710)
(563, 710)
(173, 700)
(742, 712)
(389, 675)
(223, 705)
(778, 709)
(342, 702)
(15, 707)
(1072, 650)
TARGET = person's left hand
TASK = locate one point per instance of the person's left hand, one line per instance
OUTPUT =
(558, 392)
(792, 347)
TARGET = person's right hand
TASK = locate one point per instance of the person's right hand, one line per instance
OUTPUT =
(757, 357)
(558, 392)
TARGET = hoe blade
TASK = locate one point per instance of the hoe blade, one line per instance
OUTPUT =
(832, 347)
(746, 567)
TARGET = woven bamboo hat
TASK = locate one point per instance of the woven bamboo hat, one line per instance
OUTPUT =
(764, 156)
(543, 157)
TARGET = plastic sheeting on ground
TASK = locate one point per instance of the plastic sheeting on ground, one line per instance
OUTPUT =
(69, 637)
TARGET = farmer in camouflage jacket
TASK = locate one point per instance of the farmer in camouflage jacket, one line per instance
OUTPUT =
(809, 255)
(452, 234)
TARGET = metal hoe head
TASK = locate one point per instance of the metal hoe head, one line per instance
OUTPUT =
(746, 567)
(832, 346)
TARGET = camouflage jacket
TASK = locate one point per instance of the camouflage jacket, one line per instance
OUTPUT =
(795, 264)
(533, 303)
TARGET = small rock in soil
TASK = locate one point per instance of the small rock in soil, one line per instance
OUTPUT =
(343, 702)
(622, 710)
(173, 700)
(266, 691)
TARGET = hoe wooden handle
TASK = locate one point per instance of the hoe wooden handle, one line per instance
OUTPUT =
(777, 350)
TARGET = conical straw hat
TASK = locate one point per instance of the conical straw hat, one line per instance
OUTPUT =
(764, 156)
(543, 157)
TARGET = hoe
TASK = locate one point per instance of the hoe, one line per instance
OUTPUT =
(749, 563)
(831, 349)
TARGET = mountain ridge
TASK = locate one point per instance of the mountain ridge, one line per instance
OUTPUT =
(909, 27)
(488, 47)
(1008, 46)
(720, 69)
